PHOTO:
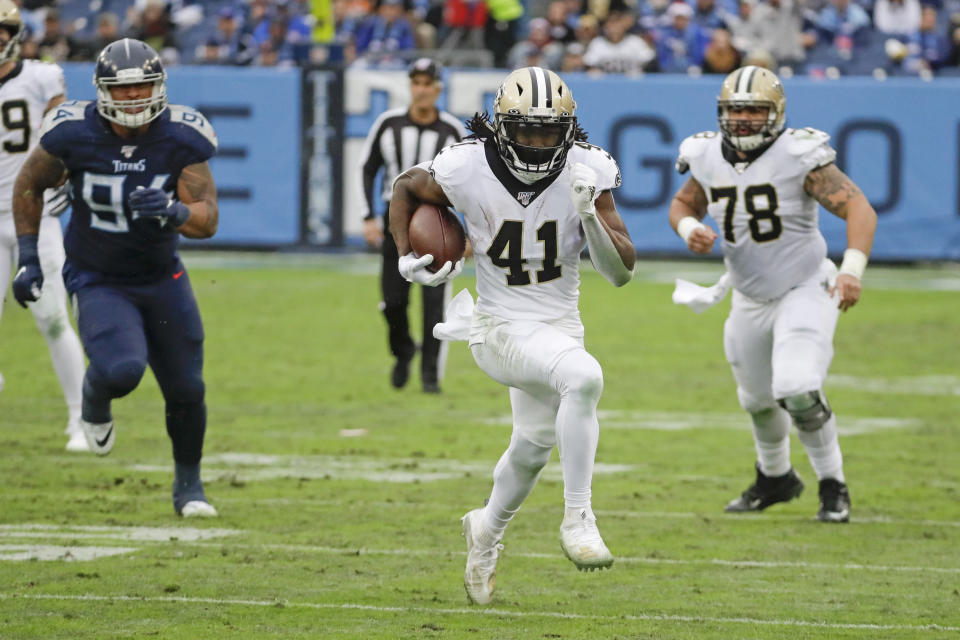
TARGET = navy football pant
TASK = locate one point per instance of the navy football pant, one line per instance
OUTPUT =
(126, 327)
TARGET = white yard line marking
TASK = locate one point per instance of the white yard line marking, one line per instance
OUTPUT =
(910, 385)
(139, 534)
(680, 421)
(251, 466)
(652, 617)
(23, 552)
(360, 551)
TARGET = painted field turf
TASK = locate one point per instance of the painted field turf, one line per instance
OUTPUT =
(340, 497)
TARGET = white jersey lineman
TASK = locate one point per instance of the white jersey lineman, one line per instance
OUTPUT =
(25, 94)
(768, 223)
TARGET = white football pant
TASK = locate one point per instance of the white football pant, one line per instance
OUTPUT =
(780, 349)
(50, 311)
(555, 386)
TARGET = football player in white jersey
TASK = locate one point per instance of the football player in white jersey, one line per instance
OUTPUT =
(533, 194)
(762, 183)
(28, 89)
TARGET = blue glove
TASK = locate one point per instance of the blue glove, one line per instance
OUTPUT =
(155, 203)
(29, 279)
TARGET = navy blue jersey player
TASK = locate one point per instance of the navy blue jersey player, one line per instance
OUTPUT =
(139, 179)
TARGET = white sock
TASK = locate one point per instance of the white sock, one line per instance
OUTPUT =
(771, 437)
(514, 477)
(578, 432)
(823, 450)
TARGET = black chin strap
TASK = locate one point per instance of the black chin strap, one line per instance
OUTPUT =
(732, 155)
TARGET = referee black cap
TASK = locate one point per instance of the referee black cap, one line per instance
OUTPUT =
(425, 66)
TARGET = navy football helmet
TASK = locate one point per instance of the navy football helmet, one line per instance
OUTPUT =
(126, 62)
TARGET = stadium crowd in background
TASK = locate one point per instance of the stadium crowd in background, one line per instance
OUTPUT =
(810, 37)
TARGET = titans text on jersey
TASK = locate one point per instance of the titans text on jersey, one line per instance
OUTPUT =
(104, 236)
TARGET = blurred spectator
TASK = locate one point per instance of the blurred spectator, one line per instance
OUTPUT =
(500, 32)
(387, 31)
(108, 30)
(953, 58)
(842, 23)
(588, 28)
(708, 15)
(776, 26)
(348, 15)
(760, 58)
(537, 50)
(296, 31)
(928, 46)
(154, 27)
(226, 45)
(560, 29)
(618, 51)
(653, 15)
(680, 45)
(573, 57)
(897, 17)
(720, 56)
(55, 46)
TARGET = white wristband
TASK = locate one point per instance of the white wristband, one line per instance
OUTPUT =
(687, 225)
(854, 262)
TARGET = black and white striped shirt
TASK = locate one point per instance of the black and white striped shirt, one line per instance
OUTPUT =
(397, 143)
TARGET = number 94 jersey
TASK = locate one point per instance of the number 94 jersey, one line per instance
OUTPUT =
(104, 235)
(768, 223)
(526, 239)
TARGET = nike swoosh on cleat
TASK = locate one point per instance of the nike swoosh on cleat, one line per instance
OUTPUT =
(100, 443)
(177, 275)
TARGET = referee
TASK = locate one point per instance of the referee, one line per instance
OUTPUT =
(398, 140)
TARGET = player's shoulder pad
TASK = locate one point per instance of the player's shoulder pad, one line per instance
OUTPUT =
(811, 147)
(63, 113)
(694, 147)
(43, 70)
(454, 157)
(600, 160)
(193, 126)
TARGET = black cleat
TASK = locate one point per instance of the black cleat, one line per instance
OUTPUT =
(400, 373)
(767, 491)
(834, 501)
(431, 387)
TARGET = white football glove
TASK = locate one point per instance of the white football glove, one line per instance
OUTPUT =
(414, 269)
(583, 189)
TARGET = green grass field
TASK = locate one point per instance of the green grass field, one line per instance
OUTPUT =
(340, 498)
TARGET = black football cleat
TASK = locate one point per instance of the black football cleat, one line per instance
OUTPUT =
(834, 501)
(767, 491)
(400, 373)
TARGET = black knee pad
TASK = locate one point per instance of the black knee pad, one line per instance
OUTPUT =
(810, 410)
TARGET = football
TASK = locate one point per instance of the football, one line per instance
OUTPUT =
(436, 230)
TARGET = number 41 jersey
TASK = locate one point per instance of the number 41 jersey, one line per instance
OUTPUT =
(768, 223)
(104, 236)
(526, 239)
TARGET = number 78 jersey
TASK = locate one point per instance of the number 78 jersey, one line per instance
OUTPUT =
(768, 224)
(526, 239)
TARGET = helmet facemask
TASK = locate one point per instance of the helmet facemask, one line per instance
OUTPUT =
(132, 113)
(747, 134)
(534, 147)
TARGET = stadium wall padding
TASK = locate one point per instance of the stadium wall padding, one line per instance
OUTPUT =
(898, 139)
